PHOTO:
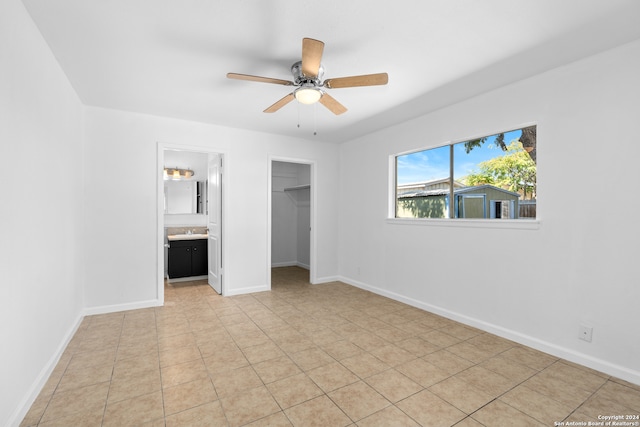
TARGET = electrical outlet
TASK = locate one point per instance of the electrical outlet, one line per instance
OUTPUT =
(585, 333)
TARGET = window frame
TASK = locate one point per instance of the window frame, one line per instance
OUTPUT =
(450, 221)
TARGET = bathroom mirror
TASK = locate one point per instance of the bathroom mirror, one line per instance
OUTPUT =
(185, 197)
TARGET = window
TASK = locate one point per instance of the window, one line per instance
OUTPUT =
(493, 177)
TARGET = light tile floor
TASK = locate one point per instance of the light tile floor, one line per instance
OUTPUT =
(310, 355)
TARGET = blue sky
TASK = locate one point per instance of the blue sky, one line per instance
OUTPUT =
(434, 163)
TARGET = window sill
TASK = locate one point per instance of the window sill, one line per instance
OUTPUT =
(517, 224)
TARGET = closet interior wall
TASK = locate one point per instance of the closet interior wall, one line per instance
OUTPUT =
(291, 214)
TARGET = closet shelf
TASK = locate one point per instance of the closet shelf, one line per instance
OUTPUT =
(298, 187)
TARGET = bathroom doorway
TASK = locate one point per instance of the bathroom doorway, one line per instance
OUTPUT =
(291, 218)
(199, 210)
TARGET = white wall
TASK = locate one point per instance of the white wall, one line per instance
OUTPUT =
(579, 266)
(129, 141)
(40, 211)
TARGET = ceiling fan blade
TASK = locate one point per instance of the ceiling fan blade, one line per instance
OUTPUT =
(280, 103)
(334, 106)
(353, 81)
(311, 56)
(259, 79)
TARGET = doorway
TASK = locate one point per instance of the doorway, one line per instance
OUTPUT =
(291, 209)
(205, 171)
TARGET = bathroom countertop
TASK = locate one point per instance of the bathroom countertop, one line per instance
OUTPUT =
(174, 237)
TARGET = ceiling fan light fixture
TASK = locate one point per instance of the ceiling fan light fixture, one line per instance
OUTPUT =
(308, 95)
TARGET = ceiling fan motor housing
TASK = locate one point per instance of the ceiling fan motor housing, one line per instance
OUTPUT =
(299, 78)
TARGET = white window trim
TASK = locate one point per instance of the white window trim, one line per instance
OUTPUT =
(518, 224)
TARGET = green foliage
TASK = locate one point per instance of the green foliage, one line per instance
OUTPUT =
(470, 145)
(514, 171)
(421, 207)
(528, 138)
(479, 178)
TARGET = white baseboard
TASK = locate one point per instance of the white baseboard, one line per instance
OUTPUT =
(327, 279)
(42, 378)
(571, 355)
(284, 264)
(290, 264)
(121, 307)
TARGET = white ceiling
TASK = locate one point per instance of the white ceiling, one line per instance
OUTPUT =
(170, 57)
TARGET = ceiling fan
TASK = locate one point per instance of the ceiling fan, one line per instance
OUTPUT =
(307, 79)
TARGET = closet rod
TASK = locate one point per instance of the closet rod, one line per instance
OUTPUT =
(298, 187)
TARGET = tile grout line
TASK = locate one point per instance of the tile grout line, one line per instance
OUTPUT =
(113, 368)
